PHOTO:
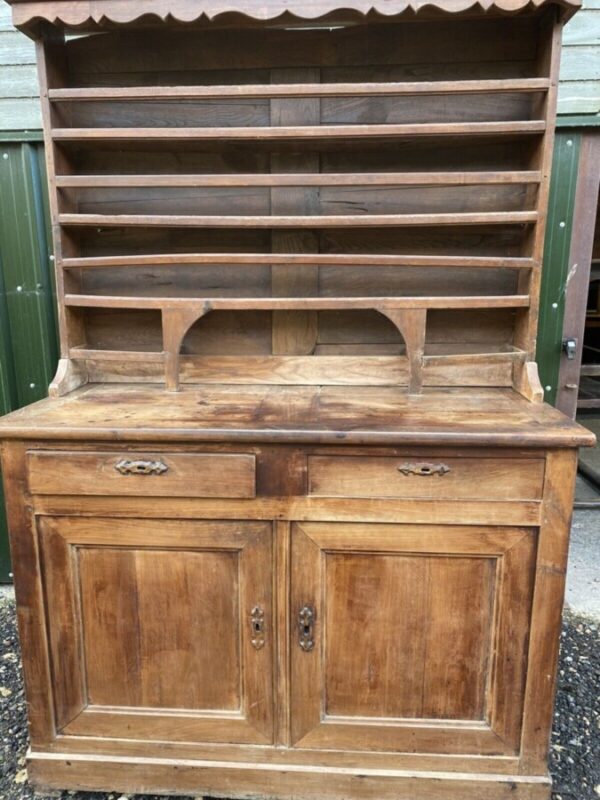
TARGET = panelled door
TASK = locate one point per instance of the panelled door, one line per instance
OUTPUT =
(409, 637)
(160, 629)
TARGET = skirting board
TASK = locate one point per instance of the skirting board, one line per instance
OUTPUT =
(285, 782)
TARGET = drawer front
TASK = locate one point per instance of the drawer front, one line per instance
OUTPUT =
(138, 474)
(444, 478)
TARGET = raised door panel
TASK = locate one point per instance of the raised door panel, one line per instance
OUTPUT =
(410, 638)
(160, 629)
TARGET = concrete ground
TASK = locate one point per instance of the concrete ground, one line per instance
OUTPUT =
(583, 574)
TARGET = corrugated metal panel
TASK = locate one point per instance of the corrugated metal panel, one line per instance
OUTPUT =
(28, 343)
(556, 259)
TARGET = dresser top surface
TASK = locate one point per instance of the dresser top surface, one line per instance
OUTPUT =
(296, 414)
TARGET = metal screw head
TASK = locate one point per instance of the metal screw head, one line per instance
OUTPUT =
(548, 388)
(569, 142)
(19, 288)
(554, 305)
(32, 385)
(561, 224)
(51, 258)
(5, 156)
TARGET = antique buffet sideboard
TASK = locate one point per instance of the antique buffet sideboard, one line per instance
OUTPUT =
(294, 520)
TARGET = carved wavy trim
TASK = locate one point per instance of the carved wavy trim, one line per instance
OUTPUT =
(74, 13)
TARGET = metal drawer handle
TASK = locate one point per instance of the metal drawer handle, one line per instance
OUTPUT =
(128, 467)
(424, 468)
(257, 627)
(306, 625)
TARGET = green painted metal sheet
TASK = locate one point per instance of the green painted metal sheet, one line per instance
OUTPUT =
(556, 259)
(28, 340)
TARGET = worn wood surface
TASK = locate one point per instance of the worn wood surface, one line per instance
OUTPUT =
(166, 147)
(383, 415)
(331, 565)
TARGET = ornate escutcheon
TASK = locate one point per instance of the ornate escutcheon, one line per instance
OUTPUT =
(128, 467)
(423, 468)
(257, 627)
(306, 624)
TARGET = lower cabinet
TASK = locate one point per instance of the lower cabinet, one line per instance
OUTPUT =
(417, 636)
(160, 629)
(406, 638)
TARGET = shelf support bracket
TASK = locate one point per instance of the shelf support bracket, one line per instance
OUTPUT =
(526, 381)
(176, 322)
(411, 323)
(70, 375)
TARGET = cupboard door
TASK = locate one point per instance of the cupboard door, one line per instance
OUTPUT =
(409, 638)
(160, 629)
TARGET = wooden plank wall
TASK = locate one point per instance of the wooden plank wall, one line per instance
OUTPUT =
(19, 101)
(579, 91)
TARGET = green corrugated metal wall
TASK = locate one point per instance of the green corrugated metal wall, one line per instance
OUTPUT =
(556, 258)
(28, 341)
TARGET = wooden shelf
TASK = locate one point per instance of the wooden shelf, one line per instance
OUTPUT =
(296, 303)
(153, 93)
(297, 259)
(300, 179)
(312, 132)
(117, 355)
(300, 221)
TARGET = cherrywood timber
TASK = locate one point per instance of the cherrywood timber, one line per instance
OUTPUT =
(530, 127)
(366, 415)
(73, 14)
(298, 90)
(203, 305)
(171, 475)
(302, 179)
(299, 221)
(347, 476)
(245, 780)
(328, 561)
(301, 259)
(294, 332)
(69, 376)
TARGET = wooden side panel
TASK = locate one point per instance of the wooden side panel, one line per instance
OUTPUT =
(152, 634)
(62, 608)
(420, 637)
(544, 639)
(415, 654)
(161, 631)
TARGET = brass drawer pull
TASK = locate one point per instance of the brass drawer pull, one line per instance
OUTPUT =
(257, 627)
(306, 624)
(128, 467)
(424, 468)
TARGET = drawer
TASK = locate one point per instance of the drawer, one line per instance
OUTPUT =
(154, 474)
(444, 478)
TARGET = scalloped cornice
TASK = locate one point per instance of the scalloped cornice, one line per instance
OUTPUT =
(76, 13)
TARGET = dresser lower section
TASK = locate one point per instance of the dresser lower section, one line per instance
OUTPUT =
(289, 622)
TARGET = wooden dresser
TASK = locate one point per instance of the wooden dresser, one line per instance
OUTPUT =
(293, 522)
